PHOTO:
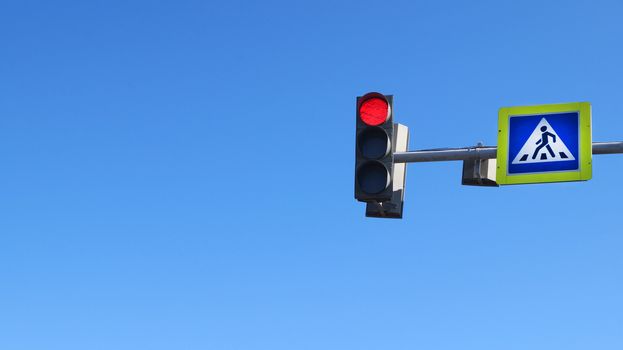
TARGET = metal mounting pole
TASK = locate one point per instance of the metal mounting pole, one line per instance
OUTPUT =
(607, 147)
(481, 152)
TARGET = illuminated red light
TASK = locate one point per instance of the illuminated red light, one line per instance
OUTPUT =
(374, 111)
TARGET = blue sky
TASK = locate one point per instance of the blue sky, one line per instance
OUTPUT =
(179, 175)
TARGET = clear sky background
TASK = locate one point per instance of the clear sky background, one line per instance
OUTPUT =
(179, 175)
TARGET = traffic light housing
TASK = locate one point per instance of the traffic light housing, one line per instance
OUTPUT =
(392, 209)
(374, 158)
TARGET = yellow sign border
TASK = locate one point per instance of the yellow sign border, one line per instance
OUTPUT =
(585, 171)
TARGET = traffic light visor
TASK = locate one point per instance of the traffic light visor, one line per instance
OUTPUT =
(373, 177)
(373, 143)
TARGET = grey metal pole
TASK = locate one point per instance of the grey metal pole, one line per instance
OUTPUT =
(481, 152)
(607, 147)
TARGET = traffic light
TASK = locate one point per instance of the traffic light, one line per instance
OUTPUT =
(374, 158)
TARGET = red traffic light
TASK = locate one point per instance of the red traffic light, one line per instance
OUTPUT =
(374, 110)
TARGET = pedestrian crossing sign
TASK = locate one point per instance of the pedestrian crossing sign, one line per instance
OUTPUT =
(546, 143)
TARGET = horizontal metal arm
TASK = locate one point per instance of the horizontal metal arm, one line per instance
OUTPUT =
(481, 152)
(607, 147)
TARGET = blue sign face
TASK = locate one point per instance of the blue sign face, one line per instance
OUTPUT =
(543, 143)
